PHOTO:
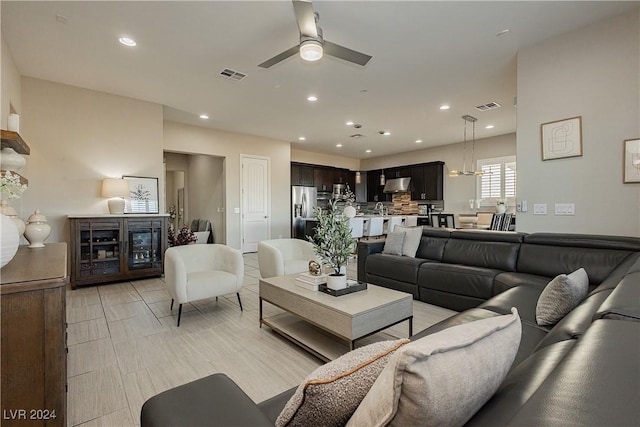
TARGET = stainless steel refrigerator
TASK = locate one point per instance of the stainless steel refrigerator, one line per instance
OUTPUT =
(303, 202)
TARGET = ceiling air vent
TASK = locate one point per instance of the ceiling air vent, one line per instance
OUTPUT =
(356, 135)
(488, 106)
(230, 74)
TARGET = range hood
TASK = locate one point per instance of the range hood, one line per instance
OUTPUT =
(397, 185)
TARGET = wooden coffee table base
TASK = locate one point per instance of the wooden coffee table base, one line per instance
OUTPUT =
(328, 326)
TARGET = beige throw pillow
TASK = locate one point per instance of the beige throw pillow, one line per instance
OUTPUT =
(331, 393)
(560, 296)
(444, 378)
(412, 238)
(393, 243)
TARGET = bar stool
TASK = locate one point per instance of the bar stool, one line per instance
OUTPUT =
(373, 226)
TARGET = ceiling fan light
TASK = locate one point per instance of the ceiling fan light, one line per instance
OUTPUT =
(311, 50)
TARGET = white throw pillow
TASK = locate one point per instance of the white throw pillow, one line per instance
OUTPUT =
(444, 378)
(412, 238)
(393, 243)
(560, 296)
(330, 394)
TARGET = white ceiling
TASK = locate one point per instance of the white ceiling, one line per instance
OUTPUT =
(424, 54)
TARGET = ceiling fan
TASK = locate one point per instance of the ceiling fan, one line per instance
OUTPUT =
(312, 44)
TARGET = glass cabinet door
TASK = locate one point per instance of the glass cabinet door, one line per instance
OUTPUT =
(144, 249)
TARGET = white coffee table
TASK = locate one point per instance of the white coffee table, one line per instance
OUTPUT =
(329, 326)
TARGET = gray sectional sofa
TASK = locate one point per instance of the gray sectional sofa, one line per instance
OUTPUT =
(584, 370)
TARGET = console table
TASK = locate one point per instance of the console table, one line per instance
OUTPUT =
(33, 329)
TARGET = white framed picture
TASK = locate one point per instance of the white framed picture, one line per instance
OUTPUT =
(562, 138)
(143, 195)
(631, 159)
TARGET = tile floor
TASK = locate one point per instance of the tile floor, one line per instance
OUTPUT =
(124, 346)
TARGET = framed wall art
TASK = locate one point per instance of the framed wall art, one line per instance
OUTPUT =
(631, 159)
(143, 195)
(562, 138)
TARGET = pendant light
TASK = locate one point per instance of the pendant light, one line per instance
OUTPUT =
(464, 172)
(383, 180)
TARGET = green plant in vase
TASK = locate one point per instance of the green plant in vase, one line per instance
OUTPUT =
(333, 243)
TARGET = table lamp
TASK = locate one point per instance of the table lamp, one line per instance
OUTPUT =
(115, 189)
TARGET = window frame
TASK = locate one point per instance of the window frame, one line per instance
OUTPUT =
(502, 161)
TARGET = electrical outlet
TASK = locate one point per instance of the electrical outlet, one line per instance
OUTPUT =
(539, 208)
(565, 209)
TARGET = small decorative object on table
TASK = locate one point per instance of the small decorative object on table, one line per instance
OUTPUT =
(37, 230)
(500, 206)
(314, 268)
(184, 236)
(311, 282)
(333, 243)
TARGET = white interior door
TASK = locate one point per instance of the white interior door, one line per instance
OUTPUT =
(256, 221)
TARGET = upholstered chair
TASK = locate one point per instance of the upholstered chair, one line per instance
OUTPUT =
(280, 257)
(195, 272)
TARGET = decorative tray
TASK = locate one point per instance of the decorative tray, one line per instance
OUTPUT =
(352, 286)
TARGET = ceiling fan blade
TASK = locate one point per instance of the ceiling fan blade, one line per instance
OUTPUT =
(346, 53)
(280, 57)
(305, 17)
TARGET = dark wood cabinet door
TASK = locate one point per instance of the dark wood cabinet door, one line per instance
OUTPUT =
(296, 170)
(351, 180)
(433, 181)
(418, 191)
(373, 182)
(306, 175)
(324, 177)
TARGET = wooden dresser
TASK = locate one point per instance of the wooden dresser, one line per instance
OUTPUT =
(33, 328)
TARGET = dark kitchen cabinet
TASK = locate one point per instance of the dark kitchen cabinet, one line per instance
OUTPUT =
(374, 189)
(399, 172)
(427, 181)
(301, 174)
(324, 177)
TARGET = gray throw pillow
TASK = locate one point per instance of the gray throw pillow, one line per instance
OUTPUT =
(393, 243)
(195, 224)
(443, 378)
(560, 296)
(331, 393)
(203, 225)
(411, 240)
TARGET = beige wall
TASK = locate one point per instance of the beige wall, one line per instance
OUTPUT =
(594, 73)
(196, 140)
(458, 190)
(206, 192)
(77, 138)
(325, 160)
(10, 92)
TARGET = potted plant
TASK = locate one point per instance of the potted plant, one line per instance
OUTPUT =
(333, 244)
(183, 237)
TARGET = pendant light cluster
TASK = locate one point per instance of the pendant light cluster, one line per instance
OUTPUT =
(464, 172)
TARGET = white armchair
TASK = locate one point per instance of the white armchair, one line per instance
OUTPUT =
(284, 256)
(194, 272)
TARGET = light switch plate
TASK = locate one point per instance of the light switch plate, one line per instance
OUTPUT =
(539, 208)
(565, 209)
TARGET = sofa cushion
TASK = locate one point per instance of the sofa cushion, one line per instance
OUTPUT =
(487, 254)
(411, 240)
(330, 394)
(458, 279)
(393, 243)
(505, 281)
(561, 296)
(444, 378)
(524, 298)
(622, 304)
(403, 269)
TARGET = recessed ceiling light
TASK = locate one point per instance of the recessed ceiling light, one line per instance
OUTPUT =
(349, 123)
(489, 127)
(367, 151)
(312, 98)
(127, 41)
(444, 107)
(502, 32)
(338, 145)
(204, 116)
(418, 141)
(302, 138)
(384, 133)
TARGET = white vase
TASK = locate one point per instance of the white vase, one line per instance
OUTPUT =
(349, 211)
(10, 240)
(336, 282)
(37, 230)
(10, 160)
(9, 211)
(501, 209)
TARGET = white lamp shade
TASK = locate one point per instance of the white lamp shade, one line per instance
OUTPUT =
(311, 50)
(115, 187)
